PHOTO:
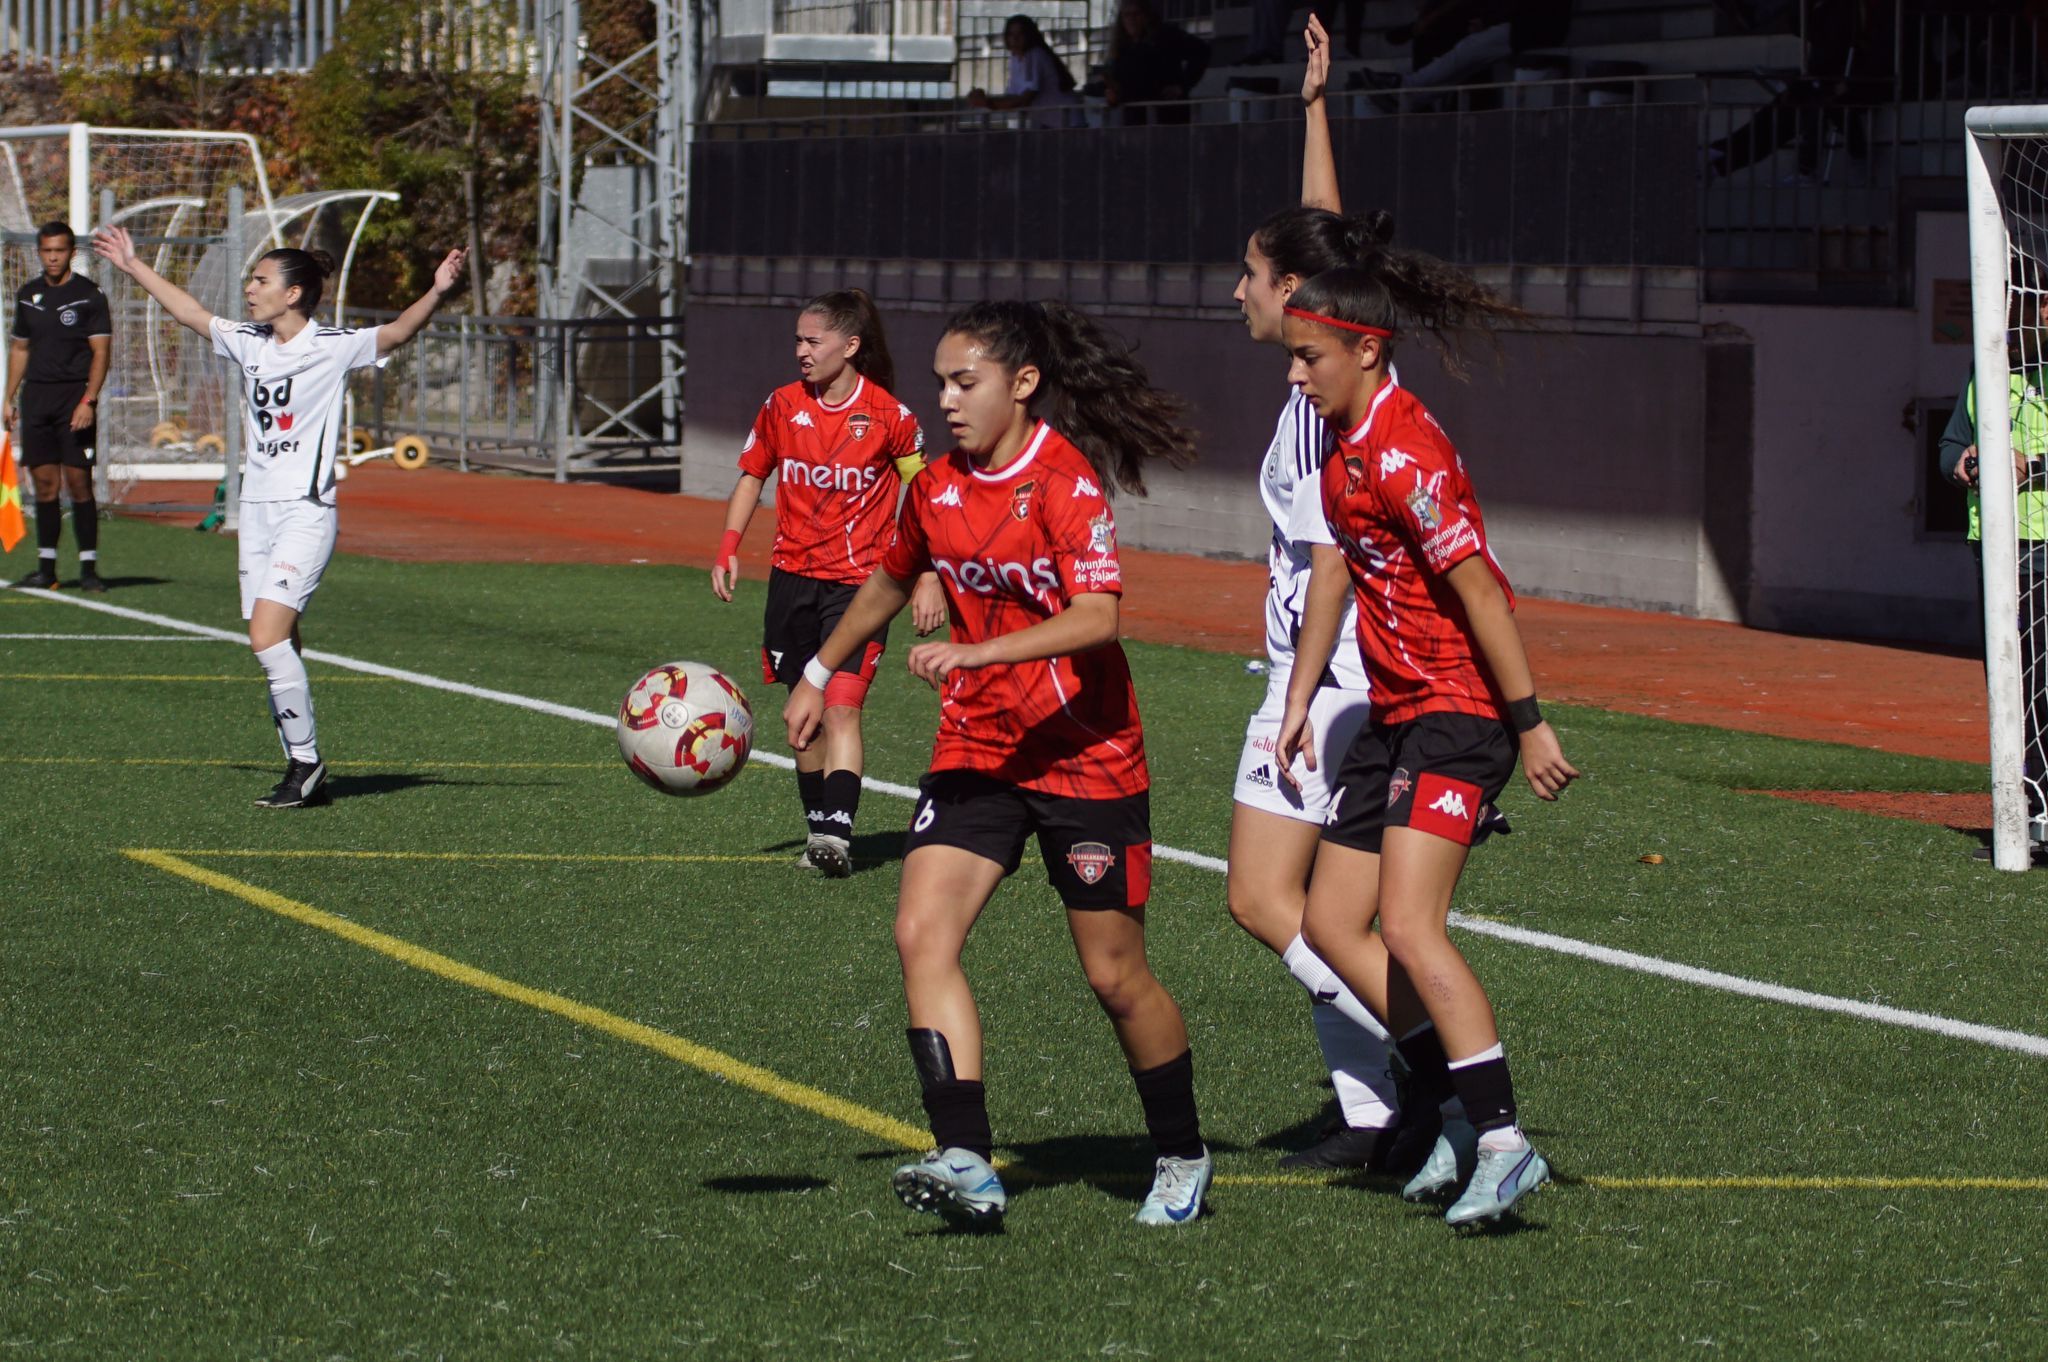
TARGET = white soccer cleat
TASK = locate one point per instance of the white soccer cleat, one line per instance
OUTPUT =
(1449, 1163)
(829, 855)
(1178, 1189)
(955, 1184)
(1502, 1177)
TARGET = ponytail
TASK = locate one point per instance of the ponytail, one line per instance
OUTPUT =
(1304, 242)
(853, 314)
(1393, 290)
(306, 271)
(1090, 387)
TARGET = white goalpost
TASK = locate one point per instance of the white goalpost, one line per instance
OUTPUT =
(2008, 216)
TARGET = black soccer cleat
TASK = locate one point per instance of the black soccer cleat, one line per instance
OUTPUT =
(303, 787)
(1341, 1148)
(44, 578)
(89, 580)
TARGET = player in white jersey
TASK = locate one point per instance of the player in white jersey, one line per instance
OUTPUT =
(294, 374)
(1277, 823)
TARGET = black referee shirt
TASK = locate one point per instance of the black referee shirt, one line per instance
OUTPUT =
(56, 321)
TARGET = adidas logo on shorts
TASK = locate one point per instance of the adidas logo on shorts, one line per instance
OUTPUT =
(1261, 776)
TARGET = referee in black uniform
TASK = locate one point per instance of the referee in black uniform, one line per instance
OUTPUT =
(63, 338)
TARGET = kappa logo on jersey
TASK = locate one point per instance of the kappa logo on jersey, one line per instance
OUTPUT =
(1393, 461)
(1085, 488)
(1091, 861)
(1020, 500)
(1444, 807)
(1451, 803)
(988, 576)
(858, 423)
(803, 418)
(949, 497)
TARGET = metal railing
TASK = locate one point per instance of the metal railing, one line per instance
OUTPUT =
(923, 18)
(1967, 51)
(490, 391)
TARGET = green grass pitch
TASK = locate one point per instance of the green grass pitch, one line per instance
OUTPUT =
(506, 1117)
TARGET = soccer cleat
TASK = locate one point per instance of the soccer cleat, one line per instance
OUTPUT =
(1502, 1177)
(831, 856)
(1449, 1163)
(44, 578)
(1344, 1147)
(1414, 1135)
(89, 580)
(304, 785)
(1178, 1187)
(957, 1185)
(804, 861)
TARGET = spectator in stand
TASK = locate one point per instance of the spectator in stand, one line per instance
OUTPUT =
(1151, 60)
(1039, 81)
(1467, 36)
(1848, 44)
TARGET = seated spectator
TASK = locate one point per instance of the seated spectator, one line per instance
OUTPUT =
(1149, 60)
(1039, 81)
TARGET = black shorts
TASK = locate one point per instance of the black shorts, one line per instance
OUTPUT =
(46, 434)
(1439, 773)
(1097, 852)
(802, 613)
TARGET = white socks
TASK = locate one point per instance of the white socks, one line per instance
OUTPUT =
(1355, 1045)
(291, 700)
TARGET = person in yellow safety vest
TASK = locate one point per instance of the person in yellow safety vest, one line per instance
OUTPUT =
(2029, 412)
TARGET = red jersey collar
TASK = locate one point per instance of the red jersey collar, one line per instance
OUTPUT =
(1016, 465)
(852, 397)
(1357, 435)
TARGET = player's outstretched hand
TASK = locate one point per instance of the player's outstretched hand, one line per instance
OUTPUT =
(449, 272)
(116, 247)
(1543, 762)
(804, 713)
(932, 663)
(1317, 78)
(927, 604)
(1297, 739)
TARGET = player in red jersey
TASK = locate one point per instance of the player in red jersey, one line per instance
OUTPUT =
(1453, 701)
(840, 447)
(1038, 723)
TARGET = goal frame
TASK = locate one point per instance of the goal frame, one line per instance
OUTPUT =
(1987, 130)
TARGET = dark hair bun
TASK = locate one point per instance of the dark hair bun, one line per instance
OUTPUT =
(1379, 226)
(324, 261)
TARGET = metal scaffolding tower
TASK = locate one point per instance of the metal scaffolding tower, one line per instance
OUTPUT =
(618, 87)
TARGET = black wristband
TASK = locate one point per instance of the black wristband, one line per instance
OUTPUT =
(1523, 715)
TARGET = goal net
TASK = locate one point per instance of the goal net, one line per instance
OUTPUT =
(164, 410)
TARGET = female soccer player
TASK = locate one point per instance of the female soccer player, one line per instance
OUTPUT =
(294, 375)
(1452, 702)
(832, 438)
(1276, 822)
(1038, 724)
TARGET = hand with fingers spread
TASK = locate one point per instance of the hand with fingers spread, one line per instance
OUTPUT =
(1543, 763)
(116, 247)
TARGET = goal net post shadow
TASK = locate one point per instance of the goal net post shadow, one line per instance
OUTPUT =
(2007, 171)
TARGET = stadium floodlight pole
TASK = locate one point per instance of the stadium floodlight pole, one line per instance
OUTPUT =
(1990, 262)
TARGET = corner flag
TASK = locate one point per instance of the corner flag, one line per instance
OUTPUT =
(11, 527)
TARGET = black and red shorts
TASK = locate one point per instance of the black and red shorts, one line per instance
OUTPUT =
(802, 613)
(1438, 773)
(1097, 852)
(46, 433)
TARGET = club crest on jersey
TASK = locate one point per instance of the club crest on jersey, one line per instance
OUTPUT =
(1354, 474)
(1398, 786)
(858, 423)
(1423, 507)
(69, 316)
(1101, 536)
(1091, 861)
(1020, 500)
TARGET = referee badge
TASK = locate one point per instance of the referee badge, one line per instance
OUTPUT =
(1091, 861)
(69, 316)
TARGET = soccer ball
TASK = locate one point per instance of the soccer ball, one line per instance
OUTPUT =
(685, 729)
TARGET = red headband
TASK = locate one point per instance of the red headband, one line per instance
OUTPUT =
(1320, 320)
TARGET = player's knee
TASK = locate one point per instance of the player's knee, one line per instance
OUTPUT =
(1264, 909)
(921, 941)
(842, 720)
(1412, 938)
(1120, 985)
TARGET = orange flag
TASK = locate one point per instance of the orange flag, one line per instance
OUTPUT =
(11, 527)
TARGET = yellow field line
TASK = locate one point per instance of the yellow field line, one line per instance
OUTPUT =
(593, 857)
(865, 1119)
(251, 678)
(394, 763)
(700, 1057)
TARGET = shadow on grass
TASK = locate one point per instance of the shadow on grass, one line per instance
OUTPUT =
(1119, 1165)
(368, 786)
(755, 1183)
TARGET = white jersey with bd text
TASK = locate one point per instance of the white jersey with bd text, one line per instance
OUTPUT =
(1290, 483)
(291, 414)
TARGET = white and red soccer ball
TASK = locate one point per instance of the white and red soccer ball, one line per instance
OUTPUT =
(685, 729)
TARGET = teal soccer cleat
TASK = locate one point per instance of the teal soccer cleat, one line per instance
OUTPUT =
(1503, 1177)
(1449, 1163)
(957, 1185)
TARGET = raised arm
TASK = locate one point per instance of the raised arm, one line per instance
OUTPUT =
(113, 245)
(1318, 160)
(393, 334)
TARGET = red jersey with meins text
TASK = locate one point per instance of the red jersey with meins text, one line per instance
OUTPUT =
(835, 493)
(1012, 548)
(1403, 511)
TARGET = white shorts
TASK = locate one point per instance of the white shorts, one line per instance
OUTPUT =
(285, 546)
(1335, 715)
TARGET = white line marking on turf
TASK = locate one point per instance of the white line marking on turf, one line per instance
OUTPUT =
(1996, 1037)
(104, 638)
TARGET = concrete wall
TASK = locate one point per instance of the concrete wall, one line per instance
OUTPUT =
(1588, 451)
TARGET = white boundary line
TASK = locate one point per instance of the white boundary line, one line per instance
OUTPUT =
(102, 638)
(2019, 1041)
